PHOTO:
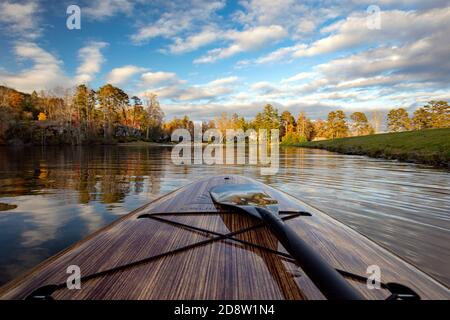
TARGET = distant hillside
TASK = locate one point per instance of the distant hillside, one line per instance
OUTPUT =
(6, 93)
(17, 100)
(6, 90)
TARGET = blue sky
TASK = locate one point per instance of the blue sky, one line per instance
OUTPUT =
(206, 57)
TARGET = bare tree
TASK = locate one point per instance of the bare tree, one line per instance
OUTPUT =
(155, 116)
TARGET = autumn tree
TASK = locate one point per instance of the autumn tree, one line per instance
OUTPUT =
(336, 125)
(177, 123)
(320, 128)
(287, 123)
(206, 125)
(241, 123)
(267, 119)
(439, 113)
(59, 106)
(360, 125)
(305, 128)
(436, 114)
(32, 104)
(42, 116)
(257, 122)
(421, 119)
(10, 109)
(154, 117)
(84, 102)
(398, 120)
(16, 100)
(171, 125)
(238, 122)
(223, 123)
(123, 104)
(137, 114)
(57, 109)
(111, 100)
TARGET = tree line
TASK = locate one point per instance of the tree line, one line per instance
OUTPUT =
(83, 115)
(296, 130)
(80, 115)
(436, 114)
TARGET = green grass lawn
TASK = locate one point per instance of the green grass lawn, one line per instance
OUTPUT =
(425, 146)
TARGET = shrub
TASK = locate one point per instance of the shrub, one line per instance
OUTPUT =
(293, 138)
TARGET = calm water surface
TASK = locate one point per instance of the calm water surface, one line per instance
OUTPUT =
(64, 194)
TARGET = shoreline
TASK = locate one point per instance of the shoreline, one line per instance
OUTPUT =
(144, 144)
(427, 147)
(110, 143)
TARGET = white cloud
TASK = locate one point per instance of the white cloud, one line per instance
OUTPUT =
(20, 19)
(255, 38)
(170, 87)
(185, 16)
(280, 54)
(405, 4)
(194, 41)
(263, 86)
(91, 60)
(196, 93)
(216, 89)
(242, 41)
(395, 26)
(157, 78)
(224, 81)
(300, 18)
(352, 32)
(118, 76)
(101, 9)
(423, 60)
(45, 73)
(298, 77)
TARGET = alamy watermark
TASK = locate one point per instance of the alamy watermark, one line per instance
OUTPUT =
(73, 21)
(373, 282)
(373, 21)
(233, 147)
(374, 278)
(73, 282)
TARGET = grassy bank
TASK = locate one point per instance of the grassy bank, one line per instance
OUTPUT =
(430, 147)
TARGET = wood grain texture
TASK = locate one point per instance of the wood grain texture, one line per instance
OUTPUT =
(249, 265)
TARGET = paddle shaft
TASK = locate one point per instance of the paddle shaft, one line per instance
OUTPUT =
(327, 279)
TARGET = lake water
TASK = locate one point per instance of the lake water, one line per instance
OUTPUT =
(64, 194)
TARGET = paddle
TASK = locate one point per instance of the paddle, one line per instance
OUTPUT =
(252, 199)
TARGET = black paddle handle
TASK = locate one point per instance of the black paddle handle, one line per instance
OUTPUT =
(326, 278)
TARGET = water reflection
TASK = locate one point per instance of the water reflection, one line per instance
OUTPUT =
(7, 206)
(63, 194)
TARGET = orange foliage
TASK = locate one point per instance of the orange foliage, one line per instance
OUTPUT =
(42, 116)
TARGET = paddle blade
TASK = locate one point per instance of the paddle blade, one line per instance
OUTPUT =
(244, 196)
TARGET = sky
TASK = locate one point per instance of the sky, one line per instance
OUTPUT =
(203, 58)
